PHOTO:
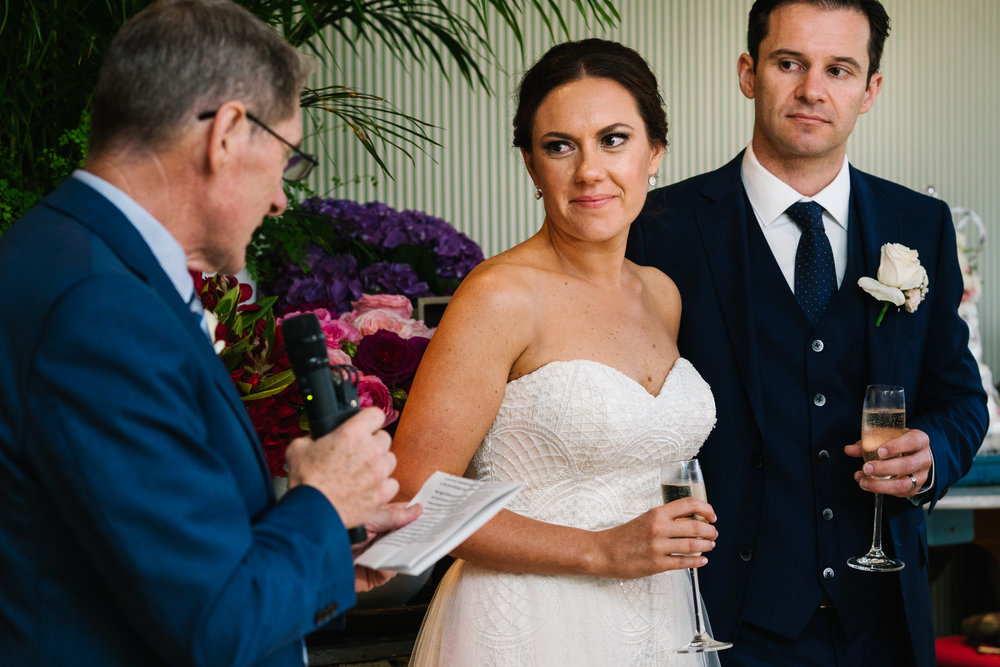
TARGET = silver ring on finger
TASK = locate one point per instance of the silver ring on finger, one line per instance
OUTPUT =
(913, 482)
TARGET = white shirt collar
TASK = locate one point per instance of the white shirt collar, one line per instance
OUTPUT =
(770, 197)
(165, 248)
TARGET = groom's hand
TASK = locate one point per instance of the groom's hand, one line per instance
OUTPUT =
(906, 460)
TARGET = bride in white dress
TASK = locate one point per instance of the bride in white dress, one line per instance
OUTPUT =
(556, 364)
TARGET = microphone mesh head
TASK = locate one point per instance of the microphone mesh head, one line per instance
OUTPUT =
(305, 342)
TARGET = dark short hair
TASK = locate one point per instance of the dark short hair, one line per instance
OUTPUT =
(177, 58)
(572, 61)
(878, 24)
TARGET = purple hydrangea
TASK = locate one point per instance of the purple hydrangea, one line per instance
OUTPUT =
(331, 279)
(383, 227)
(374, 232)
(390, 278)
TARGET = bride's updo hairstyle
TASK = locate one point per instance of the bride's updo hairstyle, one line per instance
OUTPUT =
(572, 61)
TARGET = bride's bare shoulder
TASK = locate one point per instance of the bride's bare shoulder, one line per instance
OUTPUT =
(507, 280)
(658, 291)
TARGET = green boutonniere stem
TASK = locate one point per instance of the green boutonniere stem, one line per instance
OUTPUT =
(885, 307)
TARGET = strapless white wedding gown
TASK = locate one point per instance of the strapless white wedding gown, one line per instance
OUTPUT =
(587, 441)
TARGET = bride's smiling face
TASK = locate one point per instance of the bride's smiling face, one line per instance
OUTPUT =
(591, 157)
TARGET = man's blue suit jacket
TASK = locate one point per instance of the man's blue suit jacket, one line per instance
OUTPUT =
(696, 232)
(138, 524)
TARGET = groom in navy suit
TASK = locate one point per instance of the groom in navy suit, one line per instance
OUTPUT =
(138, 524)
(767, 253)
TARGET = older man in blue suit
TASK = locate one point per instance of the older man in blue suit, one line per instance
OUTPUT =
(788, 341)
(138, 524)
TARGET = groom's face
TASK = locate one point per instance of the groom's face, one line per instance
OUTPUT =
(810, 83)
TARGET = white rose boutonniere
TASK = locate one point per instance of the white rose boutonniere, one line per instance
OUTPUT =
(902, 281)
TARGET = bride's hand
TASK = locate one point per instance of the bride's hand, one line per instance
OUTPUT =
(651, 542)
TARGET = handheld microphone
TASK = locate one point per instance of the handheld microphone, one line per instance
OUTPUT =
(328, 392)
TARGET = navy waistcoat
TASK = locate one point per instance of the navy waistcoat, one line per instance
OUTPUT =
(813, 379)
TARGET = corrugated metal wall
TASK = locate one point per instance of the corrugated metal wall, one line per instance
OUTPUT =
(935, 122)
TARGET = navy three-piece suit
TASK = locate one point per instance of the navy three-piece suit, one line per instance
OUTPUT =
(138, 524)
(789, 399)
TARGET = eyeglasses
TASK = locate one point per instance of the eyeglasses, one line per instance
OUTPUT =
(299, 165)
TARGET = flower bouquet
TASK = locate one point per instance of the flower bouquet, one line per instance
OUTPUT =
(378, 336)
(358, 268)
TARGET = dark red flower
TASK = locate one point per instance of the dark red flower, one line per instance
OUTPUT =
(212, 288)
(276, 420)
(388, 356)
(417, 345)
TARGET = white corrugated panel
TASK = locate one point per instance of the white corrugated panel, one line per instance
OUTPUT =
(935, 122)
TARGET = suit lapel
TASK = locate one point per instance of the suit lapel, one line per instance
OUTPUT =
(879, 225)
(79, 201)
(722, 224)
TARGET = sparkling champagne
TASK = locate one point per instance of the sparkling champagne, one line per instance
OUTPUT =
(878, 426)
(672, 492)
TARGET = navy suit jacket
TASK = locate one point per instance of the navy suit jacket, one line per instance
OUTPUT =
(696, 232)
(138, 523)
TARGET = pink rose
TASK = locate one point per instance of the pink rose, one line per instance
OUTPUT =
(416, 329)
(372, 391)
(336, 330)
(394, 303)
(384, 320)
(371, 321)
(338, 356)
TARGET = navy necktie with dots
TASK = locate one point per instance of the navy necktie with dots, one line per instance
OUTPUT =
(815, 274)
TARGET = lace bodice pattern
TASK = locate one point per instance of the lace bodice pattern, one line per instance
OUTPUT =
(587, 440)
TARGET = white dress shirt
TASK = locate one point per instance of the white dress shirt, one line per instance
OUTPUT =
(770, 197)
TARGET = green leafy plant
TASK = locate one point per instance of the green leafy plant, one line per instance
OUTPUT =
(52, 53)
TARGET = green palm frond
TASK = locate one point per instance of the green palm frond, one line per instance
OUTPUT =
(425, 32)
(53, 48)
(373, 120)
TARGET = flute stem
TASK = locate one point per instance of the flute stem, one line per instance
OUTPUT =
(877, 530)
(698, 619)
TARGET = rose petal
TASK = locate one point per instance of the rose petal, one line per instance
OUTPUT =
(913, 298)
(882, 292)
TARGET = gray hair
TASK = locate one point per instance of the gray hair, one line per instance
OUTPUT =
(178, 58)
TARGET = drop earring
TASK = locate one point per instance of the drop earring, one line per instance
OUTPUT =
(538, 193)
(652, 180)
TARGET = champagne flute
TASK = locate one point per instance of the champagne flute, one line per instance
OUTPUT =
(883, 418)
(681, 479)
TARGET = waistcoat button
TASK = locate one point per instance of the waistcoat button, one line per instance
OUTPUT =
(827, 513)
(817, 345)
(746, 553)
(823, 455)
(828, 573)
(819, 400)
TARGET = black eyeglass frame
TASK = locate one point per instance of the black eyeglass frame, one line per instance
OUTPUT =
(293, 165)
